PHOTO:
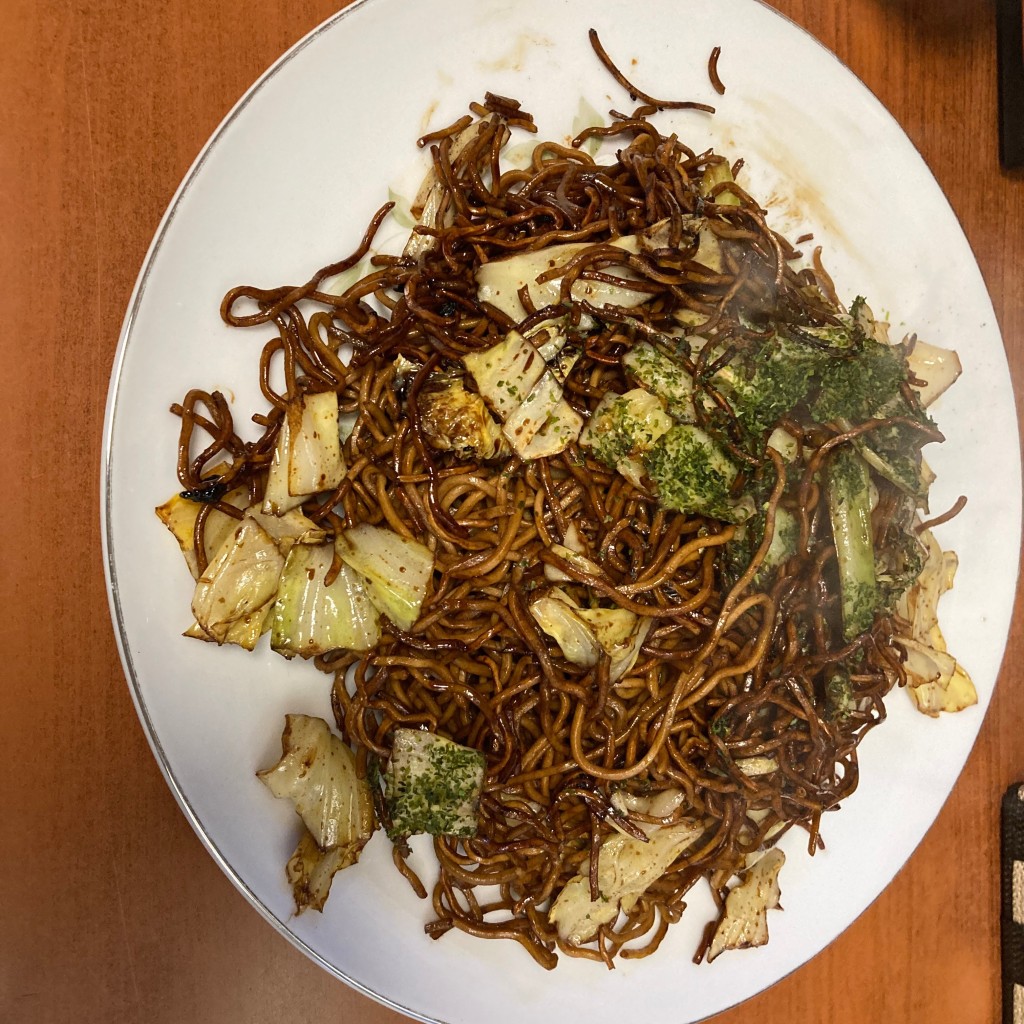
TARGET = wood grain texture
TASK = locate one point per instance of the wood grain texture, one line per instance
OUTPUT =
(110, 909)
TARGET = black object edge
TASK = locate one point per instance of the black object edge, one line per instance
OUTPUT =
(1010, 49)
(1012, 843)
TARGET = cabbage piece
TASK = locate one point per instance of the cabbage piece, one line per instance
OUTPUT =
(454, 419)
(694, 473)
(347, 424)
(575, 558)
(610, 626)
(237, 590)
(506, 372)
(311, 870)
(562, 362)
(662, 804)
(397, 570)
(626, 867)
(179, 515)
(624, 655)
(620, 633)
(938, 367)
(244, 633)
(314, 463)
(754, 766)
(935, 680)
(432, 785)
(311, 618)
(544, 424)
(429, 205)
(784, 443)
(718, 173)
(573, 540)
(560, 429)
(499, 281)
(664, 376)
(548, 338)
(656, 805)
(308, 457)
(317, 772)
(556, 614)
(513, 378)
(525, 421)
(276, 497)
(583, 634)
(623, 428)
(289, 528)
(745, 919)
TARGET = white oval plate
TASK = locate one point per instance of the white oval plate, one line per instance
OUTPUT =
(287, 184)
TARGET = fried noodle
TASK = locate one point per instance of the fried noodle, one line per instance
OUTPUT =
(728, 670)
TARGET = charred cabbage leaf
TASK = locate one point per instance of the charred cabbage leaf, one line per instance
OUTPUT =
(627, 867)
(456, 420)
(317, 772)
(745, 919)
(179, 515)
(236, 592)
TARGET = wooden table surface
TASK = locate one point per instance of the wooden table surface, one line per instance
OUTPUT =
(110, 909)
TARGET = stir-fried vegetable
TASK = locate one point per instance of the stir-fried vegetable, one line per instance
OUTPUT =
(745, 920)
(849, 505)
(318, 774)
(627, 867)
(456, 420)
(313, 617)
(432, 785)
(500, 281)
(236, 592)
(179, 515)
(397, 570)
(307, 458)
(937, 682)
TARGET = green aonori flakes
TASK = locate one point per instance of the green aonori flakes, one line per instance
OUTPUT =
(432, 785)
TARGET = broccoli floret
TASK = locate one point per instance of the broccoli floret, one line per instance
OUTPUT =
(694, 473)
(432, 785)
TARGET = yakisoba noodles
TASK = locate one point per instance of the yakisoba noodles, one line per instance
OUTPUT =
(733, 709)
